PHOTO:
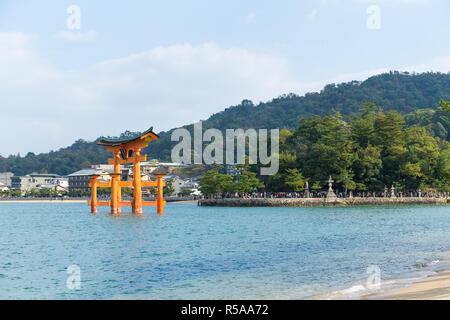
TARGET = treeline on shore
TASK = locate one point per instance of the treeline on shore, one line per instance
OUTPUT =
(365, 152)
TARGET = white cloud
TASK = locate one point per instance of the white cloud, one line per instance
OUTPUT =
(369, 2)
(77, 36)
(47, 107)
(395, 1)
(43, 107)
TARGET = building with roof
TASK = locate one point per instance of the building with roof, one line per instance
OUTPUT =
(149, 167)
(80, 179)
(54, 187)
(232, 170)
(179, 184)
(35, 180)
(106, 167)
(5, 178)
(3, 187)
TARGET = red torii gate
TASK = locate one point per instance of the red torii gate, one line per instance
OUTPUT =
(127, 150)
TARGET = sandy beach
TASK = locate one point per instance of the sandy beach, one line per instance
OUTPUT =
(431, 288)
(186, 201)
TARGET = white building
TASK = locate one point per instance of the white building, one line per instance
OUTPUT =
(149, 167)
(35, 180)
(179, 184)
(3, 187)
(81, 178)
(5, 178)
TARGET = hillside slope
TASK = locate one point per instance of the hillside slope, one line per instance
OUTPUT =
(402, 92)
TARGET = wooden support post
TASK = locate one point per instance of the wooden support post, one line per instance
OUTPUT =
(94, 193)
(117, 170)
(160, 199)
(114, 189)
(137, 193)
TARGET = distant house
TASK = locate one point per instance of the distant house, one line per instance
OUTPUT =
(56, 188)
(232, 170)
(179, 184)
(5, 178)
(106, 167)
(64, 183)
(3, 187)
(150, 166)
(35, 180)
(80, 179)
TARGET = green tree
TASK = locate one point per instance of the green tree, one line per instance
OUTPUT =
(208, 184)
(294, 179)
(226, 184)
(422, 154)
(445, 105)
(186, 192)
(323, 147)
(16, 193)
(442, 172)
(390, 137)
(345, 177)
(168, 188)
(247, 181)
(316, 186)
(362, 126)
(367, 167)
(44, 192)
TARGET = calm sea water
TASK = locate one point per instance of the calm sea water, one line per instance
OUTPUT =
(212, 253)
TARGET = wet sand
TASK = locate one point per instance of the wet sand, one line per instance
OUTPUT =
(431, 288)
(186, 201)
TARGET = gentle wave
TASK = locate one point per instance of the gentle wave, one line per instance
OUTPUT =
(360, 291)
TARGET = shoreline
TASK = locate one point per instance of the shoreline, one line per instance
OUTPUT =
(73, 201)
(430, 282)
(321, 202)
(435, 287)
(184, 201)
(45, 201)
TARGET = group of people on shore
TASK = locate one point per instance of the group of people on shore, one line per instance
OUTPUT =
(323, 194)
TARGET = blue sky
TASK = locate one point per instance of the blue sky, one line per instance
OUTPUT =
(177, 62)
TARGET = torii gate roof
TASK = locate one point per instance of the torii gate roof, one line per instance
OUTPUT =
(148, 135)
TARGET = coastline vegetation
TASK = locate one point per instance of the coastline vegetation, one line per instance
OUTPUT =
(364, 152)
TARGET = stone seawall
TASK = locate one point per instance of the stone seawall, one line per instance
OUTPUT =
(319, 202)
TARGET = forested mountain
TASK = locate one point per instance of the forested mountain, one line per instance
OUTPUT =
(416, 95)
(367, 152)
(402, 92)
